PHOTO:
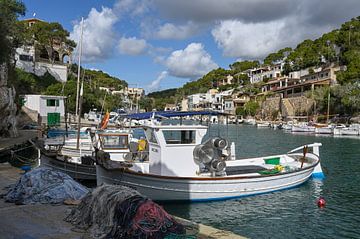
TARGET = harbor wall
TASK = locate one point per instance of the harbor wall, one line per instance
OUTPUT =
(274, 108)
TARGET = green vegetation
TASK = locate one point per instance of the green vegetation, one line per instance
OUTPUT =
(240, 66)
(93, 97)
(26, 83)
(10, 10)
(163, 94)
(250, 108)
(278, 56)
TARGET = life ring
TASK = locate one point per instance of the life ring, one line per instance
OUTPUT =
(105, 121)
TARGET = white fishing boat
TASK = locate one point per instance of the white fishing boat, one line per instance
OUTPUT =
(182, 166)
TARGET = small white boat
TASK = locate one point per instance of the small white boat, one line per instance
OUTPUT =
(261, 124)
(324, 130)
(303, 128)
(250, 121)
(353, 129)
(180, 166)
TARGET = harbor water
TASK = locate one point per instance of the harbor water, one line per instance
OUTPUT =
(290, 213)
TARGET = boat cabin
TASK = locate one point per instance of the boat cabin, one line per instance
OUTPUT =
(115, 142)
(171, 148)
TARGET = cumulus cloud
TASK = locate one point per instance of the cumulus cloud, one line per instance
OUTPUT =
(155, 85)
(178, 32)
(191, 62)
(257, 27)
(133, 7)
(253, 40)
(132, 46)
(98, 34)
(210, 10)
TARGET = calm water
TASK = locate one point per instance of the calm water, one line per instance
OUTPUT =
(290, 213)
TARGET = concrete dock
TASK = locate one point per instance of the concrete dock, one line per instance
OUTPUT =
(46, 221)
(24, 135)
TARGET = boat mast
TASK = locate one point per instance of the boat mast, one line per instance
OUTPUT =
(79, 66)
(79, 116)
(328, 107)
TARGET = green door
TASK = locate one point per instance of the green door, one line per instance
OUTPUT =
(53, 119)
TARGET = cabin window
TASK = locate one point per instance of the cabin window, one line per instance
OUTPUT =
(26, 58)
(150, 135)
(52, 102)
(114, 141)
(179, 136)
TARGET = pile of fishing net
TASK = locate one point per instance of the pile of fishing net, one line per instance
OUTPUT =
(44, 185)
(113, 211)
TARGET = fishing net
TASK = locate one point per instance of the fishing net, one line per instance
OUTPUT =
(113, 211)
(44, 185)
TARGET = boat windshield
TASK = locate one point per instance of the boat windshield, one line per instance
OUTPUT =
(179, 136)
(114, 141)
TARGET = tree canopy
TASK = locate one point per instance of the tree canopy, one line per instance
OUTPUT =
(10, 10)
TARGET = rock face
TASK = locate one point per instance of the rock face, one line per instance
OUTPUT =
(7, 106)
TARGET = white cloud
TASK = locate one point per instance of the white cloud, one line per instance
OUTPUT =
(132, 46)
(133, 7)
(155, 85)
(252, 40)
(191, 62)
(171, 31)
(98, 34)
(212, 10)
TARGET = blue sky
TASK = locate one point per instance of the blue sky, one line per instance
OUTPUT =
(160, 44)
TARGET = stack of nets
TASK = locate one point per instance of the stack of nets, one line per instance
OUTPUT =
(44, 185)
(113, 211)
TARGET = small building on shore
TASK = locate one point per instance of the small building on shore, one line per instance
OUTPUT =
(49, 109)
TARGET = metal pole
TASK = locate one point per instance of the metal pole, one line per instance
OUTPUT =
(79, 116)
(66, 109)
(79, 66)
(328, 107)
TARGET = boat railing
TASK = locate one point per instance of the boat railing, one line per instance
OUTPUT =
(314, 146)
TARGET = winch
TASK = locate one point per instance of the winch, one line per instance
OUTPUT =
(211, 155)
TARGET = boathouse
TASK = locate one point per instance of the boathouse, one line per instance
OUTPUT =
(49, 109)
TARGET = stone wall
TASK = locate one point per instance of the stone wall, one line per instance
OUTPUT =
(7, 106)
(274, 107)
(302, 105)
(270, 108)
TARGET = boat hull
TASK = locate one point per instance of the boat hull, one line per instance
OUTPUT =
(324, 130)
(74, 170)
(305, 129)
(162, 188)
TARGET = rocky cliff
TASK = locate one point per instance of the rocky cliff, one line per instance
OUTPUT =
(7, 106)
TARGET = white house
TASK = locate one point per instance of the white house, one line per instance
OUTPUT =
(50, 108)
(27, 61)
(38, 59)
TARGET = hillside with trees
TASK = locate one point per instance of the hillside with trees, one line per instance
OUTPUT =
(93, 96)
(340, 46)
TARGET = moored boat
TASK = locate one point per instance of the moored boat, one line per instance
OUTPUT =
(182, 166)
(302, 128)
(80, 163)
